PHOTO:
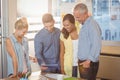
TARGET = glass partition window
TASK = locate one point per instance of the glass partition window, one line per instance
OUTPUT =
(107, 14)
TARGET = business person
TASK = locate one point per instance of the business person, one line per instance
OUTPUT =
(68, 46)
(47, 45)
(89, 44)
(17, 50)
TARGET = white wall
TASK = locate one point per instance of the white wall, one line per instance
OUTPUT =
(32, 7)
(12, 16)
(67, 8)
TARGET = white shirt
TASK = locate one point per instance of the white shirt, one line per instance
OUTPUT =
(75, 51)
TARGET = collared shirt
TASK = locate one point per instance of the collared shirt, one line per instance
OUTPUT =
(47, 47)
(18, 48)
(89, 45)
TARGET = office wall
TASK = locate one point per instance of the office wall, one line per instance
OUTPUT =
(12, 16)
(32, 8)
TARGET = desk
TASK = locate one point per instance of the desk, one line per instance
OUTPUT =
(35, 76)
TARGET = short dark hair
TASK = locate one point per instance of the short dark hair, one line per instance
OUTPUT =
(70, 18)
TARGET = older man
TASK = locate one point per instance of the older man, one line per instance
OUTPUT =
(89, 44)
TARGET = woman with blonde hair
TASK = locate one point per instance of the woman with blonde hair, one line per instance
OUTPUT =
(17, 50)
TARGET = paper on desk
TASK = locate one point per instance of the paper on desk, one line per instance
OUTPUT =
(36, 73)
(54, 76)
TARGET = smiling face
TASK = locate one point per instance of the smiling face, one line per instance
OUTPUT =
(68, 25)
(79, 17)
(69, 22)
(80, 12)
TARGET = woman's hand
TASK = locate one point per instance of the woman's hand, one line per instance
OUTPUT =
(24, 71)
(13, 75)
(21, 74)
(33, 59)
(62, 72)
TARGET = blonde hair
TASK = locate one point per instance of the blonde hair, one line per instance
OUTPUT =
(82, 8)
(21, 23)
(47, 18)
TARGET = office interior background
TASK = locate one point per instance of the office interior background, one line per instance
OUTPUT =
(106, 12)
